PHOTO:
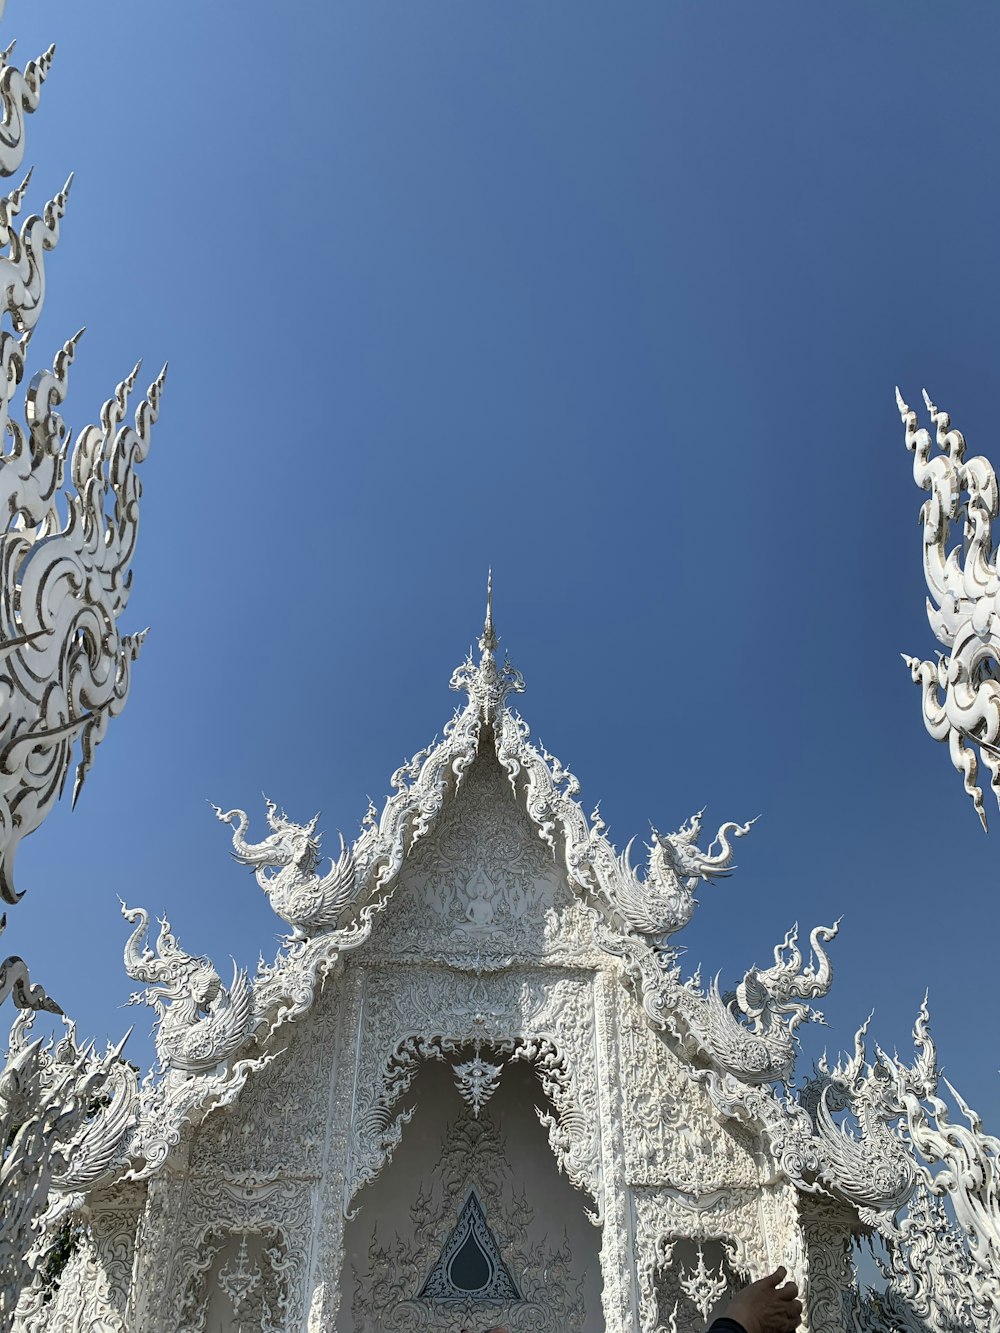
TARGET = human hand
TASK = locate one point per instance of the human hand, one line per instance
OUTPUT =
(766, 1306)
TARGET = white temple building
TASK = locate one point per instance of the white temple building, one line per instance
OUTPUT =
(473, 1089)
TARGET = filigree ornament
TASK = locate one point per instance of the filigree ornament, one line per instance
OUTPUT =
(703, 1287)
(670, 1103)
(960, 692)
(56, 1122)
(471, 1232)
(65, 668)
(238, 1280)
(663, 901)
(254, 1281)
(64, 664)
(531, 1286)
(477, 1080)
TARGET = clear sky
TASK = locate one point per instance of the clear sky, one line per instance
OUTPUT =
(612, 297)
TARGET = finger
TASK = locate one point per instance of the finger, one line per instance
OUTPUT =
(778, 1276)
(788, 1292)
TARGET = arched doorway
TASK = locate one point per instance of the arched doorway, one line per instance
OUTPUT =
(471, 1225)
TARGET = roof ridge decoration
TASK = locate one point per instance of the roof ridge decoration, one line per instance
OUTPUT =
(748, 1036)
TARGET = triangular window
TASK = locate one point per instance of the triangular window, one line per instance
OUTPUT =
(470, 1266)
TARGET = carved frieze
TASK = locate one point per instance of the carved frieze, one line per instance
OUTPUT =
(281, 1114)
(672, 1136)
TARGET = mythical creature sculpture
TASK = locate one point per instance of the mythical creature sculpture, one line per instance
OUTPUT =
(968, 1160)
(870, 1166)
(51, 1099)
(750, 1034)
(960, 692)
(285, 865)
(943, 1274)
(776, 995)
(663, 901)
(97, 1150)
(200, 1023)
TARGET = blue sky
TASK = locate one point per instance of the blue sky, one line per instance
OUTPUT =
(611, 297)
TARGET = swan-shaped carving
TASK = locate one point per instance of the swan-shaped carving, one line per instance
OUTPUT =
(751, 1033)
(777, 995)
(285, 865)
(99, 1148)
(663, 901)
(870, 1165)
(199, 1022)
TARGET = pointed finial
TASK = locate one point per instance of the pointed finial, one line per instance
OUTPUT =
(486, 683)
(488, 643)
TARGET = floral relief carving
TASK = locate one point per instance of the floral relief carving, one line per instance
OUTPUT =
(828, 1229)
(279, 1115)
(617, 1235)
(216, 1213)
(325, 1278)
(682, 1283)
(244, 1273)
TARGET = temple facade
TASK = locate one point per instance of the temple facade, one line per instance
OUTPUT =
(472, 1091)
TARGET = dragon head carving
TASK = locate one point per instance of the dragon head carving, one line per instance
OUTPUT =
(662, 902)
(199, 1022)
(285, 865)
(778, 994)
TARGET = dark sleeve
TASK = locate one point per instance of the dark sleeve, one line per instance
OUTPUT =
(725, 1325)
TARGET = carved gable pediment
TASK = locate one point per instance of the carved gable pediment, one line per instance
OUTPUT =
(483, 884)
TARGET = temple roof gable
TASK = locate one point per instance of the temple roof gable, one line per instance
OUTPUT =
(607, 913)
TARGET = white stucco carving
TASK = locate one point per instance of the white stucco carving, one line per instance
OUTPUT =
(960, 693)
(285, 866)
(491, 933)
(71, 512)
(540, 1284)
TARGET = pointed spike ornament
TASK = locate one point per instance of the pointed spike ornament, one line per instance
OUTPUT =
(960, 692)
(489, 640)
(64, 672)
(60, 598)
(486, 683)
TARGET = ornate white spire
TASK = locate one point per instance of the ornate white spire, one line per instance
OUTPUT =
(489, 639)
(487, 684)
